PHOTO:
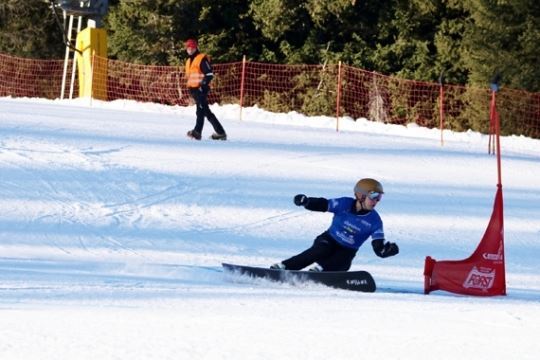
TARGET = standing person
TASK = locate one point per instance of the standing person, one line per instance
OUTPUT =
(199, 74)
(354, 221)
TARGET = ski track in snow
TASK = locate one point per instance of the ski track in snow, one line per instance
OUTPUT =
(113, 227)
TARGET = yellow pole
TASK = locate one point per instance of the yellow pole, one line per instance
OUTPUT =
(92, 43)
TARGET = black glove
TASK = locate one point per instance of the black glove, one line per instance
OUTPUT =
(383, 249)
(300, 200)
(204, 88)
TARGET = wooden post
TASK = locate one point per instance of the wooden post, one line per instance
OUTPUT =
(493, 115)
(338, 96)
(242, 82)
(441, 110)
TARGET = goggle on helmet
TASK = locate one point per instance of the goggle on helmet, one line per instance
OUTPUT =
(370, 188)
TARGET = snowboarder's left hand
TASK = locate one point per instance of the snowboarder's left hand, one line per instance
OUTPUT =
(383, 249)
(300, 200)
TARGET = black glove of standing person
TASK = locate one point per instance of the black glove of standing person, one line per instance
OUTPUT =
(204, 88)
(300, 200)
(383, 249)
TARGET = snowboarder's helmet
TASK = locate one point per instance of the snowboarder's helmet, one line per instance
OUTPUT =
(367, 186)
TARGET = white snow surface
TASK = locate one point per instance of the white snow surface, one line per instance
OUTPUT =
(114, 225)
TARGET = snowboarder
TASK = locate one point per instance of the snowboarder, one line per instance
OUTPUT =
(354, 221)
(199, 74)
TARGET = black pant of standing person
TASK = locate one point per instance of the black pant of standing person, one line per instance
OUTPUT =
(200, 96)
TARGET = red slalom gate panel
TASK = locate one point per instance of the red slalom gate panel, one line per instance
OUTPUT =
(481, 274)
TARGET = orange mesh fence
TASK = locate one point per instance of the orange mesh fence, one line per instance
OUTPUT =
(309, 89)
(226, 84)
(519, 112)
(389, 99)
(162, 84)
(159, 84)
(21, 77)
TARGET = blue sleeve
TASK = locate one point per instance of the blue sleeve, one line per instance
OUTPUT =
(378, 232)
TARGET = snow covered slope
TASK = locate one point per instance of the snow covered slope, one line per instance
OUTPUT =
(113, 226)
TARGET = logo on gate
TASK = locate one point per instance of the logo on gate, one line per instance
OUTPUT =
(482, 279)
(493, 257)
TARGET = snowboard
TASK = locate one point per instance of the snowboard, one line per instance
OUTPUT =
(348, 280)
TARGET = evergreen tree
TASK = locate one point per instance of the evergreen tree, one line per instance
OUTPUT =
(142, 31)
(28, 29)
(503, 36)
(413, 37)
(154, 32)
(350, 28)
(225, 30)
(448, 42)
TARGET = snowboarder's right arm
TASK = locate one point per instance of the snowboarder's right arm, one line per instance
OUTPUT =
(311, 203)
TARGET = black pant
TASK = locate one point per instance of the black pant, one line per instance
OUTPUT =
(203, 110)
(326, 252)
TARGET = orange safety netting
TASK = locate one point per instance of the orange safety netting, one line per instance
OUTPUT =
(330, 89)
(20, 77)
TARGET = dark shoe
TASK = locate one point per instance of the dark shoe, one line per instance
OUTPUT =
(194, 134)
(216, 136)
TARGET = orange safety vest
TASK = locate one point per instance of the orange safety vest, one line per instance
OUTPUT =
(194, 74)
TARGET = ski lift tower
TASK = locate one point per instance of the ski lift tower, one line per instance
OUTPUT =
(84, 45)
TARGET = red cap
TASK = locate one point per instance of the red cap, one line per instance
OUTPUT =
(191, 43)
